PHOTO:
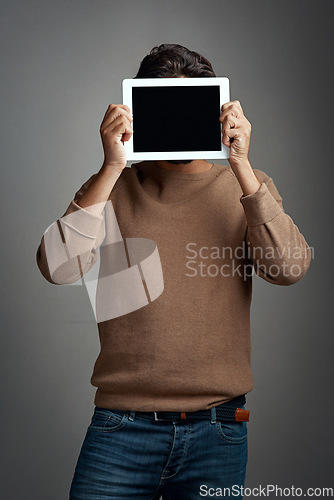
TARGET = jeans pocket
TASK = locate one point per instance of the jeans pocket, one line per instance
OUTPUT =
(105, 420)
(232, 432)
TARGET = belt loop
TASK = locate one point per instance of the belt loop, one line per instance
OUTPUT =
(132, 415)
(213, 415)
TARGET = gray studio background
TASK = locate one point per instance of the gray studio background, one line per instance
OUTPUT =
(62, 64)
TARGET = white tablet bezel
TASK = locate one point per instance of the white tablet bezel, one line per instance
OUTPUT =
(129, 83)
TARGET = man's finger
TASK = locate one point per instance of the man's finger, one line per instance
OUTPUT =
(229, 121)
(112, 108)
(115, 114)
(115, 123)
(235, 103)
(234, 113)
(230, 135)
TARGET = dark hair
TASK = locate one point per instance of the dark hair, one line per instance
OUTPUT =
(171, 60)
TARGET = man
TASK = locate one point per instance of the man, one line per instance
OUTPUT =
(171, 377)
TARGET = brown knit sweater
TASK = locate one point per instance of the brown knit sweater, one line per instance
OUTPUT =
(189, 349)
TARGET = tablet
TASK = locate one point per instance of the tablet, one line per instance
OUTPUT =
(176, 118)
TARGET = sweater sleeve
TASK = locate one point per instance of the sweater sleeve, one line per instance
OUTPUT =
(279, 252)
(69, 246)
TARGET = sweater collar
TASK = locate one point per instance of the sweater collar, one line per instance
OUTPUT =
(151, 168)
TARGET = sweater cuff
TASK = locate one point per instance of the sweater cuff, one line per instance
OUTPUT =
(81, 220)
(260, 207)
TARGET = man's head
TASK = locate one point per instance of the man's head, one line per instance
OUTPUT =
(171, 60)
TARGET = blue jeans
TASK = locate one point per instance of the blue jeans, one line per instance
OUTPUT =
(126, 456)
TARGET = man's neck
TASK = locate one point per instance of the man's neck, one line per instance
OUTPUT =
(193, 167)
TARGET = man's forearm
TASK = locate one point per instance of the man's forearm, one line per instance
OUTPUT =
(97, 194)
(247, 179)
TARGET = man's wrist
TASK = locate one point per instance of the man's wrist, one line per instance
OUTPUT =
(240, 164)
(245, 174)
(113, 166)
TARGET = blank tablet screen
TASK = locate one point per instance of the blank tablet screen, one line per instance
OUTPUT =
(180, 118)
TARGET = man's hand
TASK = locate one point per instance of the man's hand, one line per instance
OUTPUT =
(115, 129)
(236, 131)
